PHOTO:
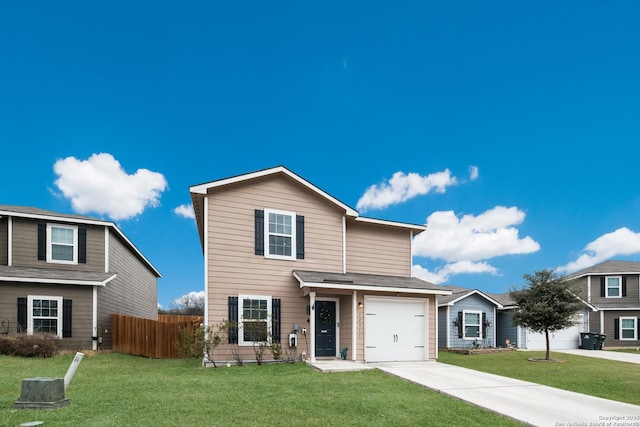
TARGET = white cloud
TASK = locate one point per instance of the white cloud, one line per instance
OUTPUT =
(191, 299)
(473, 238)
(185, 211)
(474, 172)
(619, 242)
(100, 184)
(402, 187)
(443, 274)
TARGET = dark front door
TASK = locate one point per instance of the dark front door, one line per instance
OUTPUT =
(325, 328)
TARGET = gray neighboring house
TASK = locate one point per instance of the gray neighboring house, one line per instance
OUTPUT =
(67, 274)
(467, 316)
(612, 291)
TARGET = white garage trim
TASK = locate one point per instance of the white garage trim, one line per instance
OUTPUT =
(397, 334)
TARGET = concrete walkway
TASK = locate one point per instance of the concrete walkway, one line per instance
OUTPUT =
(530, 403)
(604, 354)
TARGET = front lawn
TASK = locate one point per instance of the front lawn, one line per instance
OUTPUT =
(117, 390)
(598, 377)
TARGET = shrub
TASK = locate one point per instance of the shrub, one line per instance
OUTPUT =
(25, 345)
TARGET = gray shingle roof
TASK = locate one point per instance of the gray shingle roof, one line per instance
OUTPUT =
(358, 280)
(609, 267)
(28, 210)
(51, 275)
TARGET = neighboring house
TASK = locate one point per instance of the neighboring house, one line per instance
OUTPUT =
(523, 338)
(286, 261)
(467, 318)
(67, 274)
(611, 289)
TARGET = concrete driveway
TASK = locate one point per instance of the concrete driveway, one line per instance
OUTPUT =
(531, 403)
(604, 354)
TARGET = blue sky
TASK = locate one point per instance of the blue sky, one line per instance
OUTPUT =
(510, 128)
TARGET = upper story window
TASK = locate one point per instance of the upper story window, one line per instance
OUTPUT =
(279, 234)
(613, 287)
(472, 324)
(62, 244)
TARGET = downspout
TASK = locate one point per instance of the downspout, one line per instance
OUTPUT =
(448, 328)
(602, 321)
(205, 245)
(10, 241)
(344, 244)
(312, 325)
(436, 338)
(95, 339)
(354, 325)
(588, 288)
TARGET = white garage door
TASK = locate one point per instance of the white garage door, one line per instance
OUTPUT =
(395, 329)
(563, 339)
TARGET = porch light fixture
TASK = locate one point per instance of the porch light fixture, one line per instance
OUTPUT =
(360, 304)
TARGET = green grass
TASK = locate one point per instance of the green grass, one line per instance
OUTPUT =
(117, 390)
(597, 377)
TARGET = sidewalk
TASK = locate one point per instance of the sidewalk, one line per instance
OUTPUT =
(530, 403)
(604, 354)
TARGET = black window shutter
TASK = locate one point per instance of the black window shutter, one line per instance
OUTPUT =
(66, 318)
(275, 320)
(460, 324)
(82, 245)
(233, 320)
(624, 286)
(484, 325)
(602, 287)
(22, 314)
(299, 237)
(259, 232)
(42, 242)
(616, 328)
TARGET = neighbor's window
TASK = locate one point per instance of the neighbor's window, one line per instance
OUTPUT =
(280, 234)
(44, 315)
(254, 318)
(614, 287)
(628, 328)
(472, 325)
(62, 244)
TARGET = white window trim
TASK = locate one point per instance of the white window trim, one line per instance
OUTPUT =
(635, 328)
(267, 254)
(464, 324)
(49, 244)
(241, 341)
(30, 299)
(606, 286)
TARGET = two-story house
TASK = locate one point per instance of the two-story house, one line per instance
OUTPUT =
(67, 274)
(612, 291)
(284, 259)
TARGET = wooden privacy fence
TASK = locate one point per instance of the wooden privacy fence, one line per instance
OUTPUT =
(151, 338)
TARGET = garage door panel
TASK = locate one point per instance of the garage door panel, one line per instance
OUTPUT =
(394, 330)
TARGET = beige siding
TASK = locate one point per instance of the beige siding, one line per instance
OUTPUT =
(235, 269)
(25, 247)
(375, 249)
(81, 297)
(4, 241)
(134, 292)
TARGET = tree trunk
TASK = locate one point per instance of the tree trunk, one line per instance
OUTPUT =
(546, 335)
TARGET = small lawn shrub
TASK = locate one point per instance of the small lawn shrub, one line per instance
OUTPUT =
(25, 345)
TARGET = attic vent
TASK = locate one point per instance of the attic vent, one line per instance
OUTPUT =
(337, 281)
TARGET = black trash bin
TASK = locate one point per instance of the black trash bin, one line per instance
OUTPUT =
(588, 340)
(600, 341)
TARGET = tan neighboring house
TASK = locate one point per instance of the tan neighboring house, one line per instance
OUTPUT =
(67, 274)
(288, 261)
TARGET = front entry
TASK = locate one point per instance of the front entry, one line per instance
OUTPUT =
(325, 316)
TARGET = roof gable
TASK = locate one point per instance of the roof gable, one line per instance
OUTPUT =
(458, 294)
(608, 267)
